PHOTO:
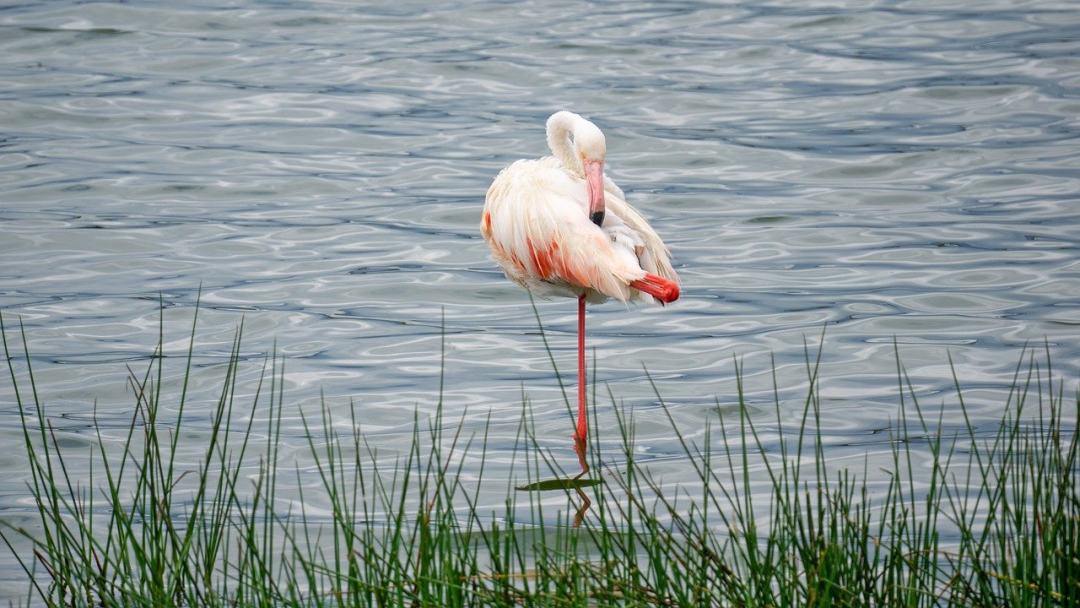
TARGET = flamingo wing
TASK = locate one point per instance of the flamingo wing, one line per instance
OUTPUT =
(536, 222)
(653, 255)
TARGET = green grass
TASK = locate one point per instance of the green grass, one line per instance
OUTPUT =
(957, 518)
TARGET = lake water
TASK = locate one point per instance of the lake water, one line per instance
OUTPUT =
(902, 172)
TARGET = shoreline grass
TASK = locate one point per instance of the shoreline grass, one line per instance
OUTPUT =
(957, 519)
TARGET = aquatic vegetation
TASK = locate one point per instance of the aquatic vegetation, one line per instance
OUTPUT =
(960, 517)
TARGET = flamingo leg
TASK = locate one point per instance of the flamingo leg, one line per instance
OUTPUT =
(581, 435)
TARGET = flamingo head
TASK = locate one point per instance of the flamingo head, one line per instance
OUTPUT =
(591, 147)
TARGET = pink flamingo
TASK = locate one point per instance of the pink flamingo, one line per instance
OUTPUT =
(558, 227)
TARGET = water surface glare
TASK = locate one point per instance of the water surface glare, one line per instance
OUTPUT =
(893, 172)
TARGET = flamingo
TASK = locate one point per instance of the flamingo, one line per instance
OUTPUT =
(559, 227)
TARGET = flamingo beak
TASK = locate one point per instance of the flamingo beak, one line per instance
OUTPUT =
(594, 183)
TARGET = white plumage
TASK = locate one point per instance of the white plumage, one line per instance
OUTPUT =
(537, 222)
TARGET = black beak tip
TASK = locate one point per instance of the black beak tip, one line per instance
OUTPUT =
(597, 218)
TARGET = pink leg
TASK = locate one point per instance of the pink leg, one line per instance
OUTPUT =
(581, 436)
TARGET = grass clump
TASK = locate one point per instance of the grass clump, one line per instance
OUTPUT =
(957, 519)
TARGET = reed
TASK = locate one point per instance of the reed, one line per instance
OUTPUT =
(992, 520)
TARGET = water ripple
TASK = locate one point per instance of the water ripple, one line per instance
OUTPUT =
(898, 174)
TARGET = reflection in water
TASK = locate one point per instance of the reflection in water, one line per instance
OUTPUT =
(583, 508)
(575, 483)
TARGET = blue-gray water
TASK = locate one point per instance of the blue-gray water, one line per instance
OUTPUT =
(887, 171)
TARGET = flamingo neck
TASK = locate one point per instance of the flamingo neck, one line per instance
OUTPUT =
(559, 128)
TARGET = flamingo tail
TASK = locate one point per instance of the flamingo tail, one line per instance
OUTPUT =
(665, 290)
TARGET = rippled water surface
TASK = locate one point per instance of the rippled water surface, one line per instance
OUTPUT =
(886, 171)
